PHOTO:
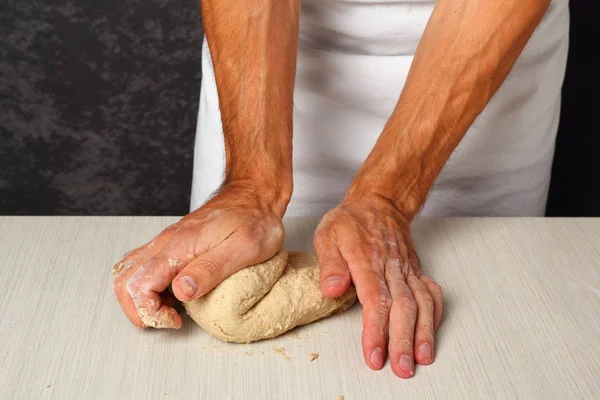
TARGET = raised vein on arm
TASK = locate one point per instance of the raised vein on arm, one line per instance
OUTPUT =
(466, 52)
(253, 45)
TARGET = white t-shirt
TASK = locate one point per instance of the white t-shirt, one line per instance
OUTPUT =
(353, 59)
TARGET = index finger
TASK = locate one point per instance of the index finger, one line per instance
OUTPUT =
(127, 268)
(144, 288)
(373, 294)
(151, 279)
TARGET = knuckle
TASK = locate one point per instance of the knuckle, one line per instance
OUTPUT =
(124, 265)
(408, 304)
(132, 287)
(250, 237)
(440, 309)
(169, 230)
(401, 341)
(385, 301)
(376, 310)
(427, 301)
(436, 290)
(135, 283)
(405, 342)
(426, 328)
(320, 235)
(430, 305)
(382, 302)
(208, 269)
(252, 241)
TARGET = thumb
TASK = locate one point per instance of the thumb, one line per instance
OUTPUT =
(334, 273)
(209, 269)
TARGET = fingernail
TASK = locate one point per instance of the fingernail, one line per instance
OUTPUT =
(188, 286)
(406, 363)
(332, 281)
(377, 358)
(425, 350)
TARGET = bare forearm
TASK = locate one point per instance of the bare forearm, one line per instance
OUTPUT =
(253, 46)
(466, 52)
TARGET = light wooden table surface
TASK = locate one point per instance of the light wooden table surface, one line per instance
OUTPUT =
(522, 320)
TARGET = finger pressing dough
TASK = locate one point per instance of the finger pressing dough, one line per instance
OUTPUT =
(266, 300)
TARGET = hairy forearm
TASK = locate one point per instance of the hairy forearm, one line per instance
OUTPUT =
(466, 52)
(253, 46)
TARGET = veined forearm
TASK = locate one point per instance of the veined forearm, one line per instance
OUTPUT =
(253, 46)
(466, 52)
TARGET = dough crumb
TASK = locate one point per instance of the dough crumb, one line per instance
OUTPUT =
(313, 356)
(262, 353)
(340, 397)
(165, 320)
(294, 335)
(173, 263)
(191, 257)
(48, 386)
(248, 353)
(281, 352)
(117, 269)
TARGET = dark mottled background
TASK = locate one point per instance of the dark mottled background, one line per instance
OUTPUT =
(98, 105)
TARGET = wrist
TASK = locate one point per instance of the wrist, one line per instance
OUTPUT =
(271, 194)
(261, 165)
(372, 200)
(404, 164)
(405, 185)
(407, 203)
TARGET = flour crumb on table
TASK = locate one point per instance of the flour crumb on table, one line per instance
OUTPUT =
(313, 356)
(281, 352)
(48, 386)
(248, 353)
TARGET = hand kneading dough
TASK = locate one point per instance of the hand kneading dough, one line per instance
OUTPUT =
(266, 300)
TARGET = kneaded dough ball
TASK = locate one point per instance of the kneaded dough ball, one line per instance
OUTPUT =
(265, 300)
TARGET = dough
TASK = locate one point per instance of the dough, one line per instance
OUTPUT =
(266, 300)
